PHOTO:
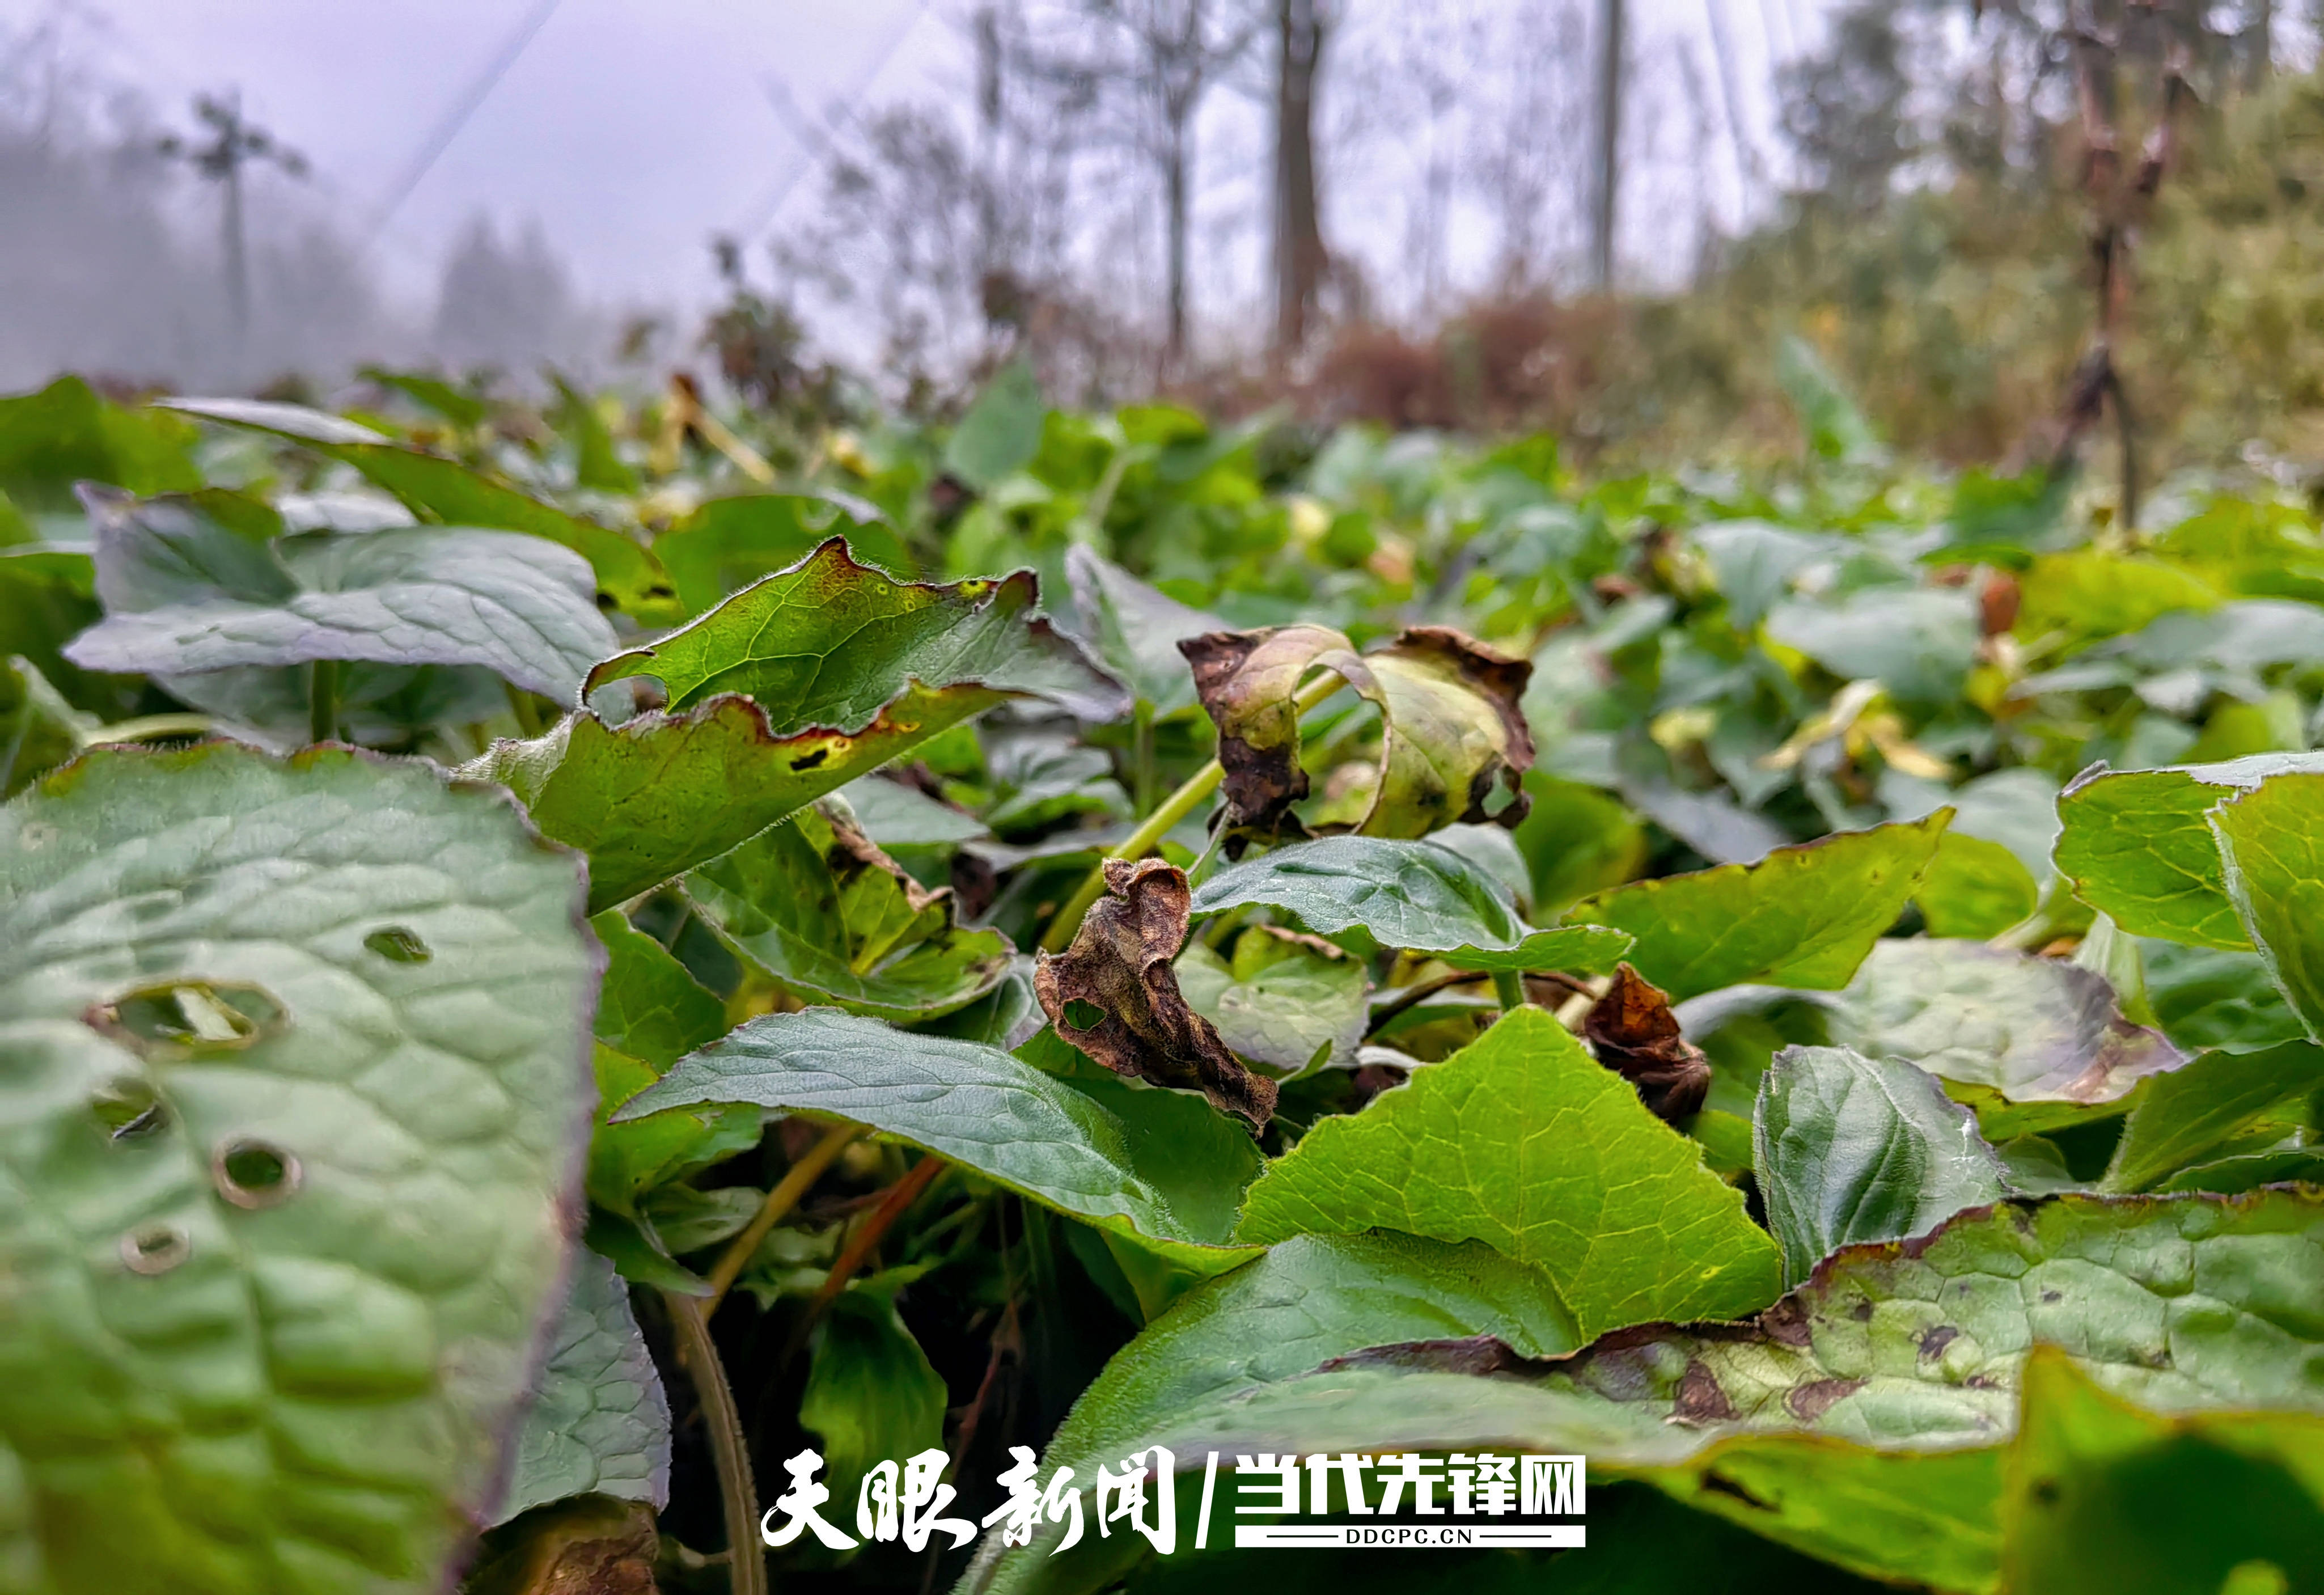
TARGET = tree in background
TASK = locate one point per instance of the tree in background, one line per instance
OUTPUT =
(1302, 26)
(507, 306)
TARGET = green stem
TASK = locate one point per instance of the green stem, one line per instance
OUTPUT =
(322, 700)
(794, 1184)
(1176, 806)
(1509, 985)
(730, 1451)
(1141, 842)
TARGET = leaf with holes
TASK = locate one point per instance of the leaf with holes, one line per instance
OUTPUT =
(297, 1085)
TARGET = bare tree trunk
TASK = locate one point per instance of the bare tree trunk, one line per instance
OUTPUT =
(2259, 43)
(1299, 255)
(1175, 160)
(1610, 13)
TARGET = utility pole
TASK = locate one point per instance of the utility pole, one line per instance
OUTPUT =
(231, 143)
(1610, 19)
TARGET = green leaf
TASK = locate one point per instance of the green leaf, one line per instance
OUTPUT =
(2272, 848)
(1802, 917)
(650, 1007)
(286, 1213)
(2094, 593)
(2034, 1030)
(597, 464)
(415, 595)
(1136, 630)
(1279, 1003)
(1370, 892)
(1149, 1164)
(1975, 888)
(1918, 643)
(871, 1395)
(1753, 563)
(654, 796)
(445, 491)
(1836, 428)
(1523, 1141)
(2207, 997)
(628, 1161)
(832, 643)
(597, 1422)
(1001, 431)
(828, 915)
(1307, 1300)
(2183, 1116)
(2105, 1498)
(894, 815)
(1848, 1148)
(725, 544)
(2138, 846)
(64, 435)
(1862, 1417)
(2230, 1176)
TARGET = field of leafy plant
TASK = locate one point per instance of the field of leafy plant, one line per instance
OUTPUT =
(552, 960)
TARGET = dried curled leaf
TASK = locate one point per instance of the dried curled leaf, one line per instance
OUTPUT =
(1450, 731)
(1247, 681)
(1119, 961)
(1635, 1034)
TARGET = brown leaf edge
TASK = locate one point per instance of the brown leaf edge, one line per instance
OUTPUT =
(1120, 962)
(1500, 679)
(1634, 1033)
(1246, 681)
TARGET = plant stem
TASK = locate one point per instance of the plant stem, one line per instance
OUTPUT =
(730, 1451)
(1176, 806)
(1509, 985)
(1575, 1008)
(795, 1184)
(892, 1206)
(322, 700)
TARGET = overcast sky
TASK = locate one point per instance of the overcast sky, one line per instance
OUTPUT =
(630, 130)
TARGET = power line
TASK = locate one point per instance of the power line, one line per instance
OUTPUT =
(440, 137)
(762, 214)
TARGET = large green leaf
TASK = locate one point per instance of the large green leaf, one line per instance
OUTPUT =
(2272, 846)
(415, 595)
(2184, 1117)
(596, 1422)
(1150, 1164)
(2104, 1499)
(1523, 1141)
(2211, 997)
(295, 1065)
(2138, 846)
(832, 643)
(1001, 431)
(2034, 1030)
(1308, 1300)
(1802, 917)
(827, 915)
(1851, 1149)
(1918, 643)
(650, 1007)
(1862, 1417)
(1370, 892)
(447, 491)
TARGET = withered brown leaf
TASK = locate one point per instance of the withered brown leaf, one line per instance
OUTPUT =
(1247, 682)
(1119, 962)
(1635, 1034)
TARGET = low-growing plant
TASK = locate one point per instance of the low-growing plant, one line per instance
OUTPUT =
(1805, 994)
